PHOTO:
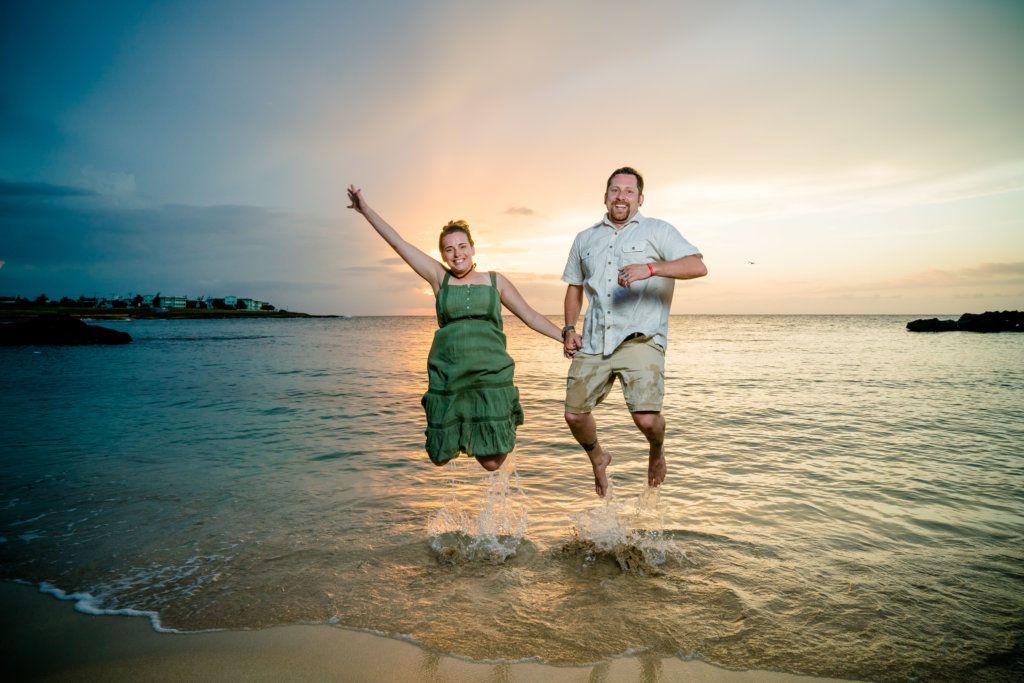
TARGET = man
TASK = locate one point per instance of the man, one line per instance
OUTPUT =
(627, 264)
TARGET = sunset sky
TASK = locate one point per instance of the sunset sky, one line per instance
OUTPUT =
(867, 157)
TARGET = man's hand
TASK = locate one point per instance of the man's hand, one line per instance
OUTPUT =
(571, 343)
(634, 272)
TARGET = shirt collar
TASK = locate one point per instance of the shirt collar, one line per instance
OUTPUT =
(635, 220)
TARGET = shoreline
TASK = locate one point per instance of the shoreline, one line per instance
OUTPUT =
(106, 314)
(46, 638)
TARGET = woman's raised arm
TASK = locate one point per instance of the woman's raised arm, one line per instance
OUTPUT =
(426, 267)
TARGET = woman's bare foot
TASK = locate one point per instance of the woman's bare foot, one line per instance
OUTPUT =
(657, 468)
(600, 459)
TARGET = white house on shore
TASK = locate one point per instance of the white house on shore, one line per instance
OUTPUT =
(173, 301)
(164, 301)
(252, 304)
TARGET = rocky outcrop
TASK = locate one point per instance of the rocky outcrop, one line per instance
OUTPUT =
(58, 330)
(992, 321)
(989, 321)
(932, 325)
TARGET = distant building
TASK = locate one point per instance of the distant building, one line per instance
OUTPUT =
(163, 301)
(173, 301)
(252, 304)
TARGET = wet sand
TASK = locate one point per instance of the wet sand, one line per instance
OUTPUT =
(46, 639)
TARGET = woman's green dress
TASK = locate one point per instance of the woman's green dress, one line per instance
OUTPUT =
(472, 405)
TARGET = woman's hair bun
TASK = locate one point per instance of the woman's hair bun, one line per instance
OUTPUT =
(456, 224)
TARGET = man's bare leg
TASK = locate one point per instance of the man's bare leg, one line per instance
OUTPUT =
(584, 429)
(653, 427)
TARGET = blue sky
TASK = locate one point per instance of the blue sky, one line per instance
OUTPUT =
(867, 157)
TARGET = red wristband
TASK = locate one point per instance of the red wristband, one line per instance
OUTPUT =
(650, 267)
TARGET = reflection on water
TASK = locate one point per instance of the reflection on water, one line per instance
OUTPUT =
(843, 497)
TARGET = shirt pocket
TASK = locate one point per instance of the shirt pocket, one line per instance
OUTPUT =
(635, 252)
(588, 259)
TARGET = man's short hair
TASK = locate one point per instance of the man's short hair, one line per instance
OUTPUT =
(627, 170)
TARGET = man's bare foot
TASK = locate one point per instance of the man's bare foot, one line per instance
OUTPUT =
(600, 459)
(657, 468)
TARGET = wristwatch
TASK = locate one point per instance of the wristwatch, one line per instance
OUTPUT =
(568, 328)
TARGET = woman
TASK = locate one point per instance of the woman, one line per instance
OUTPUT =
(472, 404)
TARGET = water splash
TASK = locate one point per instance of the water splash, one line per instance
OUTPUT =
(632, 535)
(475, 526)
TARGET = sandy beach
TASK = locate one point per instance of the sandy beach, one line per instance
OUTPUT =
(46, 639)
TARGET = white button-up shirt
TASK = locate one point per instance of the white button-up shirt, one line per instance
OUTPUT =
(615, 312)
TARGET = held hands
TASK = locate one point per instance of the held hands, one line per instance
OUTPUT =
(634, 273)
(571, 343)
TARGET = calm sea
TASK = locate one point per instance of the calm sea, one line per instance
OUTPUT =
(844, 497)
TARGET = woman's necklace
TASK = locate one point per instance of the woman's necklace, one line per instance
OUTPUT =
(464, 275)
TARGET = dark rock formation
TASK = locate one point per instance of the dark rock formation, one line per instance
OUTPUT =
(58, 329)
(932, 325)
(989, 321)
(992, 321)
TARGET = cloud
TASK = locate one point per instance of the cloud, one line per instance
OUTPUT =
(13, 189)
(74, 245)
(108, 182)
(852, 191)
(985, 273)
(520, 211)
(84, 242)
(934, 281)
(995, 269)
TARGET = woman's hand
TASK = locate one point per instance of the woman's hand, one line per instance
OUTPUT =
(355, 196)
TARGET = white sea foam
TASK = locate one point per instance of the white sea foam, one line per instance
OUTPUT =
(172, 582)
(615, 527)
(490, 526)
(86, 603)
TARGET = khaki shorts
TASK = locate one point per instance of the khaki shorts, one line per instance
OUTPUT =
(639, 364)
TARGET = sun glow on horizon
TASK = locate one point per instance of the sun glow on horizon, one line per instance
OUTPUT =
(843, 163)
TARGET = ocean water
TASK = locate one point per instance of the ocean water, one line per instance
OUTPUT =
(844, 498)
